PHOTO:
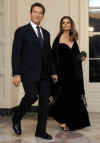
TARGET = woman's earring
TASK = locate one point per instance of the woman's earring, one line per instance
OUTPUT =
(71, 32)
(62, 30)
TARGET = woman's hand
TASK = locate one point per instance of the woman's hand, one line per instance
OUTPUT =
(16, 80)
(54, 77)
(83, 58)
(83, 55)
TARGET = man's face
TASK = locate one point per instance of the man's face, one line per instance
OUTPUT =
(36, 15)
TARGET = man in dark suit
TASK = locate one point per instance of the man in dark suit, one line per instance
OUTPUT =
(31, 65)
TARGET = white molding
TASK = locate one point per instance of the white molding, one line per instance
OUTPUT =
(2, 41)
(1, 12)
(2, 72)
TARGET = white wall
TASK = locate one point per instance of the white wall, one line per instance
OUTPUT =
(17, 13)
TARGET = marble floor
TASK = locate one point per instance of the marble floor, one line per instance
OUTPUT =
(87, 135)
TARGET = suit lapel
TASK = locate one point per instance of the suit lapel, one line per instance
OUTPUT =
(33, 33)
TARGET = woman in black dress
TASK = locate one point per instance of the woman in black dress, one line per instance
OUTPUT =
(69, 110)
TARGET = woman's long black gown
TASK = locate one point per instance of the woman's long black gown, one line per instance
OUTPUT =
(69, 108)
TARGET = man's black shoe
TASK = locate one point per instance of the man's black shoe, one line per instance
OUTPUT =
(17, 127)
(44, 136)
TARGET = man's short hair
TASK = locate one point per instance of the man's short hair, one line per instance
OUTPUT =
(37, 5)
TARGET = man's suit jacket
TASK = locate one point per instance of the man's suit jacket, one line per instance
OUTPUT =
(28, 59)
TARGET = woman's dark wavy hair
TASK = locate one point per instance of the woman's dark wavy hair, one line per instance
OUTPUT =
(73, 31)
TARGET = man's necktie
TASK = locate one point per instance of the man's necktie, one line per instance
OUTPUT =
(40, 38)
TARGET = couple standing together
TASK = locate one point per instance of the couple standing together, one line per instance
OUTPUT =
(34, 62)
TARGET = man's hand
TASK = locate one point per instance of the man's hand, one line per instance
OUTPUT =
(54, 77)
(16, 80)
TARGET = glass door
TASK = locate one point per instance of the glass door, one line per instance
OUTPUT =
(94, 40)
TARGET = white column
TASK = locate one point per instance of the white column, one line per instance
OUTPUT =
(8, 23)
(84, 39)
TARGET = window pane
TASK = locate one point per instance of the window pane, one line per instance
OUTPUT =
(94, 40)
(94, 46)
(94, 21)
(94, 3)
(94, 70)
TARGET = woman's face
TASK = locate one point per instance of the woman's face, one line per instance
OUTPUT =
(66, 24)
